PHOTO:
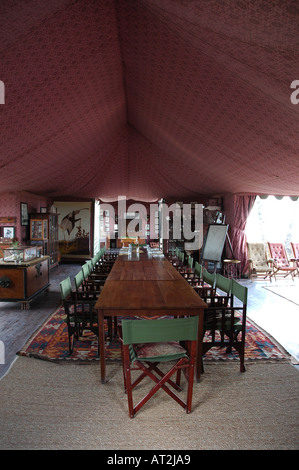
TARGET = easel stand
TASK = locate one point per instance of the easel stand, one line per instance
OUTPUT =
(213, 249)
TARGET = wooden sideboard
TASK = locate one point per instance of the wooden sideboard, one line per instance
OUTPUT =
(121, 242)
(22, 282)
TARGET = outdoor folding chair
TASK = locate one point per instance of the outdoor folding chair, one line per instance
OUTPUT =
(295, 260)
(259, 264)
(146, 343)
(281, 264)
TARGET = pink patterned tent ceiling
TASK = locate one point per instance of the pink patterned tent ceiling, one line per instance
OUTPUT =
(149, 98)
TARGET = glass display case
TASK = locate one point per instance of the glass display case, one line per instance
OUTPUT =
(44, 232)
(21, 253)
(38, 229)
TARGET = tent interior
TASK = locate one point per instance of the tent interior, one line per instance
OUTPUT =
(149, 100)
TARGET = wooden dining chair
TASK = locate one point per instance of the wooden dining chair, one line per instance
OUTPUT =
(146, 343)
(80, 313)
(92, 275)
(195, 276)
(186, 269)
(225, 319)
(206, 287)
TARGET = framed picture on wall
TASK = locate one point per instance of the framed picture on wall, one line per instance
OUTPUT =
(74, 224)
(9, 232)
(24, 214)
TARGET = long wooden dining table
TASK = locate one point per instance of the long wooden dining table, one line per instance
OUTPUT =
(150, 287)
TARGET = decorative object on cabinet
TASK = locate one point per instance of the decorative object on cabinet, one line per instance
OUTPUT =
(44, 233)
(20, 253)
(8, 232)
(4, 243)
(24, 214)
(8, 220)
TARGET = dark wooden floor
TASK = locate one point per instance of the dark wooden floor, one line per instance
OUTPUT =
(276, 315)
(17, 326)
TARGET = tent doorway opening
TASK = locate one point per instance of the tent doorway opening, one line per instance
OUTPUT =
(274, 220)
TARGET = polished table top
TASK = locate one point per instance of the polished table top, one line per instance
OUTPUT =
(148, 297)
(144, 269)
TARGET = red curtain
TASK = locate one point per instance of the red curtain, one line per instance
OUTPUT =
(237, 213)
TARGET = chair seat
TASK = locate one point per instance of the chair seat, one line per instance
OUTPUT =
(262, 268)
(160, 352)
(285, 267)
(80, 317)
(220, 325)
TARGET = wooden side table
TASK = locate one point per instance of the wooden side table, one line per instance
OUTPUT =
(231, 268)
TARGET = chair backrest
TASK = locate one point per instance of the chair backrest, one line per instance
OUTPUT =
(182, 256)
(257, 254)
(223, 283)
(90, 265)
(161, 330)
(240, 292)
(198, 269)
(190, 261)
(209, 278)
(295, 249)
(79, 279)
(177, 251)
(86, 270)
(278, 253)
(65, 288)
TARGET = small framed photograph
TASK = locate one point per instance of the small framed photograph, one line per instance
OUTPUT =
(24, 214)
(9, 232)
(43, 210)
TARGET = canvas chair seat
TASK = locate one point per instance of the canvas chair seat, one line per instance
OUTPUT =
(160, 352)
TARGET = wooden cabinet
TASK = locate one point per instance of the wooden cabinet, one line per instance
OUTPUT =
(44, 232)
(23, 281)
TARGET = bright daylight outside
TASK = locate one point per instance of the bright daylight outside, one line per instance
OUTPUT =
(274, 220)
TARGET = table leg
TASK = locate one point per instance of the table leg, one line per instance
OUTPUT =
(199, 346)
(102, 345)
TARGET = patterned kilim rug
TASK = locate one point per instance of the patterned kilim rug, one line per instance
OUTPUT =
(50, 343)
